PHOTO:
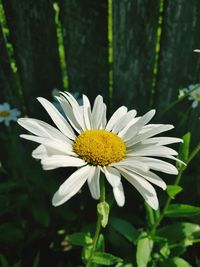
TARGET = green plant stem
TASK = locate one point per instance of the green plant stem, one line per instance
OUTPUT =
(98, 224)
(178, 178)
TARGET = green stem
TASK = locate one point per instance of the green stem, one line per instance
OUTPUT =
(98, 225)
(178, 178)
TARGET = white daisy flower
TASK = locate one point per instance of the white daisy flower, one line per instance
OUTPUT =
(193, 94)
(122, 147)
(7, 114)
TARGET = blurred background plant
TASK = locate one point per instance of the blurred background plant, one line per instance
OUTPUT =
(134, 53)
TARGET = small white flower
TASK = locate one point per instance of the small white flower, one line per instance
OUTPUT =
(197, 50)
(7, 114)
(194, 95)
(123, 146)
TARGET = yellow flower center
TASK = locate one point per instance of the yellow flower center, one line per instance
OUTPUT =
(99, 147)
(197, 96)
(4, 113)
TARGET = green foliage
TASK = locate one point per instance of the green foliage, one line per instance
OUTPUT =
(173, 190)
(103, 209)
(125, 229)
(106, 259)
(182, 210)
(144, 248)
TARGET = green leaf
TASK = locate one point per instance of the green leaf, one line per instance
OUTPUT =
(36, 260)
(144, 248)
(173, 190)
(10, 234)
(178, 231)
(103, 209)
(125, 229)
(80, 239)
(18, 264)
(41, 213)
(176, 262)
(100, 243)
(185, 147)
(107, 259)
(182, 210)
(3, 261)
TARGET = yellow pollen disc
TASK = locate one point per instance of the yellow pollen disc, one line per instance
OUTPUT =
(4, 113)
(99, 147)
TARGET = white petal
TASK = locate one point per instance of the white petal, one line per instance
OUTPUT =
(150, 176)
(124, 121)
(131, 162)
(58, 161)
(151, 150)
(69, 113)
(159, 165)
(163, 140)
(176, 159)
(93, 182)
(42, 128)
(39, 152)
(118, 192)
(57, 118)
(115, 117)
(195, 103)
(61, 146)
(143, 187)
(97, 111)
(152, 132)
(112, 175)
(71, 186)
(87, 112)
(136, 127)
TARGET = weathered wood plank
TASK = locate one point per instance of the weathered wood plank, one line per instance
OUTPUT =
(85, 33)
(134, 40)
(33, 35)
(8, 86)
(178, 66)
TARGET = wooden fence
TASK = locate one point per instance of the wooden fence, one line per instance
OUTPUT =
(141, 62)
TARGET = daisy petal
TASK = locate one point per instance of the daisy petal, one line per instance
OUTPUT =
(97, 112)
(76, 109)
(42, 128)
(87, 112)
(159, 165)
(124, 121)
(152, 132)
(152, 150)
(115, 117)
(163, 140)
(61, 146)
(150, 176)
(39, 152)
(143, 187)
(57, 118)
(130, 162)
(69, 113)
(112, 175)
(118, 192)
(71, 186)
(136, 127)
(93, 182)
(58, 161)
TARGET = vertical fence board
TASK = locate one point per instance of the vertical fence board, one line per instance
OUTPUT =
(134, 40)
(178, 65)
(33, 34)
(85, 33)
(9, 92)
